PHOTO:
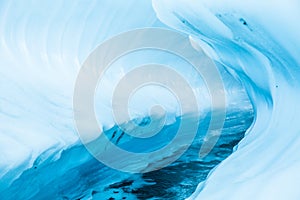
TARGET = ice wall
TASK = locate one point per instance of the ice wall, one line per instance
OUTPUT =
(258, 43)
(42, 47)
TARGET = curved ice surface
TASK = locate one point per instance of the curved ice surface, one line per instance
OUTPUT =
(43, 45)
(258, 42)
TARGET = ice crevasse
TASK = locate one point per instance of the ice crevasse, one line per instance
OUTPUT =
(44, 44)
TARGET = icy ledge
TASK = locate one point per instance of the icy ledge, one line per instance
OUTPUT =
(258, 42)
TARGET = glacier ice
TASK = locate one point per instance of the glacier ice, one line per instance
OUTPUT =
(258, 42)
(43, 45)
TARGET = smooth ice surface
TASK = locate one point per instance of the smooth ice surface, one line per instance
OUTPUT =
(258, 41)
(42, 47)
(43, 44)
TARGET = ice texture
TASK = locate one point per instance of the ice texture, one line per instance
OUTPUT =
(258, 43)
(42, 47)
